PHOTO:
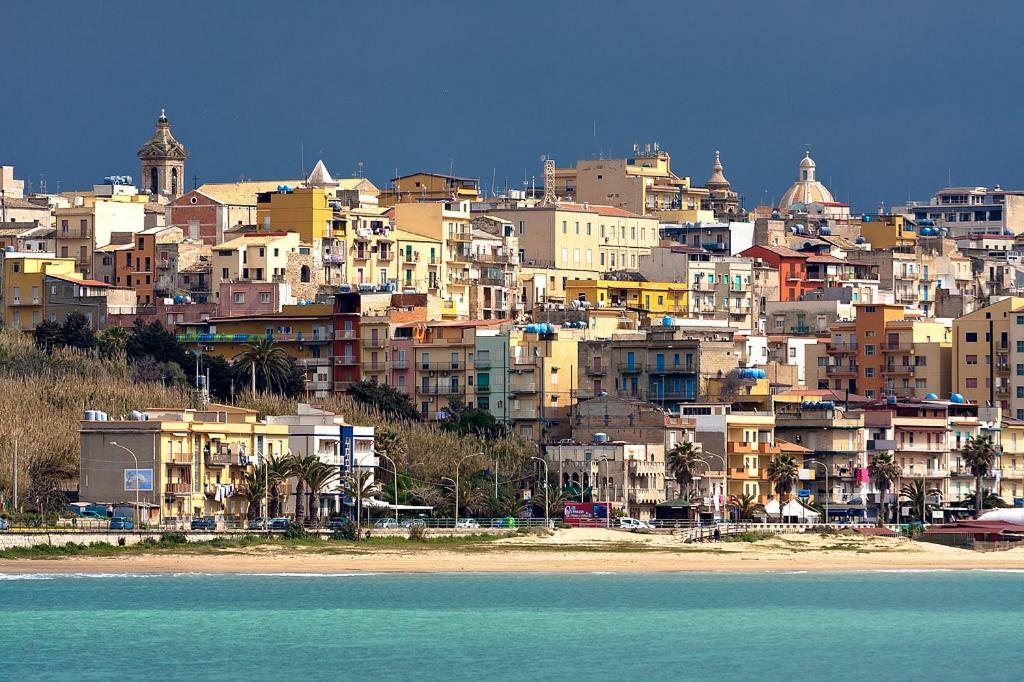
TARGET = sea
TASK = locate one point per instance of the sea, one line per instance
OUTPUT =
(910, 625)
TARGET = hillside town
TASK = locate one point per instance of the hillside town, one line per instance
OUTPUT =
(665, 345)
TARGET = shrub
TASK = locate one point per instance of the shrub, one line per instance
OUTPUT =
(748, 536)
(173, 539)
(295, 531)
(418, 532)
(347, 532)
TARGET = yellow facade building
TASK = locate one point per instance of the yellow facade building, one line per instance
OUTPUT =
(304, 210)
(22, 279)
(884, 231)
(541, 383)
(983, 342)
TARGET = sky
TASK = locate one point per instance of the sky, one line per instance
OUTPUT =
(893, 98)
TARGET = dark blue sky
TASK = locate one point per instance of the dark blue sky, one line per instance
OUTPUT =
(891, 96)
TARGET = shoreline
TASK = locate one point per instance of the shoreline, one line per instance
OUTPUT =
(576, 551)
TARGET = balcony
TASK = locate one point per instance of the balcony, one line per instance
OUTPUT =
(483, 388)
(440, 366)
(898, 370)
(899, 347)
(1003, 389)
(646, 496)
(842, 348)
(399, 364)
(483, 363)
(841, 371)
(596, 370)
(525, 414)
(922, 447)
(674, 369)
(630, 368)
(879, 444)
(745, 474)
(178, 488)
(313, 362)
(522, 387)
(441, 390)
(375, 367)
(346, 360)
(180, 458)
(740, 448)
(345, 334)
(318, 385)
(919, 472)
(342, 386)
(223, 457)
(374, 342)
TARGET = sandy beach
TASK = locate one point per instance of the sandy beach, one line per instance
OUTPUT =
(577, 550)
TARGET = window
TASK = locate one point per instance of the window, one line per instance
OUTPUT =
(264, 297)
(869, 372)
(971, 359)
(971, 382)
(224, 274)
(971, 337)
(565, 227)
(869, 349)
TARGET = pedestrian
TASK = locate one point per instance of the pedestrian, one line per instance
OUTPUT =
(718, 534)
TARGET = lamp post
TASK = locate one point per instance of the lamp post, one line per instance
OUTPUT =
(725, 474)
(459, 464)
(136, 459)
(607, 514)
(547, 509)
(828, 491)
(394, 467)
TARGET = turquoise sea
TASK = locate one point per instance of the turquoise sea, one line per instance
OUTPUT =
(853, 626)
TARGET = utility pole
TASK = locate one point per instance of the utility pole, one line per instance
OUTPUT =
(14, 500)
(254, 380)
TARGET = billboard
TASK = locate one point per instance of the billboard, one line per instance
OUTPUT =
(138, 479)
(585, 513)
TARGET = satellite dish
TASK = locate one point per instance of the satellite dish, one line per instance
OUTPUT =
(543, 158)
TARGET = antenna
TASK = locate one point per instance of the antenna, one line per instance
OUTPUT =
(549, 182)
(302, 157)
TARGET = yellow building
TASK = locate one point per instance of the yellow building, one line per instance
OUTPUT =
(304, 332)
(1010, 486)
(304, 210)
(981, 353)
(447, 222)
(262, 257)
(22, 277)
(542, 371)
(428, 187)
(188, 463)
(444, 355)
(884, 231)
(80, 229)
(750, 445)
(656, 298)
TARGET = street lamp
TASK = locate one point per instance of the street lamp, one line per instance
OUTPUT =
(136, 459)
(547, 509)
(725, 474)
(828, 490)
(394, 467)
(459, 464)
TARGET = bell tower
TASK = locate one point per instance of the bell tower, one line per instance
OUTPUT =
(162, 161)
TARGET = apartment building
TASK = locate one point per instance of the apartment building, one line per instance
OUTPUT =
(91, 223)
(304, 332)
(654, 299)
(542, 375)
(100, 303)
(883, 353)
(444, 363)
(792, 268)
(429, 187)
(182, 463)
(987, 367)
(265, 257)
(972, 210)
(22, 283)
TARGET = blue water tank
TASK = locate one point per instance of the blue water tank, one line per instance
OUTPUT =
(859, 240)
(825, 230)
(957, 398)
(666, 321)
(827, 405)
(891, 400)
(761, 374)
(179, 298)
(931, 396)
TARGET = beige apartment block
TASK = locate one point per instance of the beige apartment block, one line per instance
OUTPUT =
(985, 357)
(82, 228)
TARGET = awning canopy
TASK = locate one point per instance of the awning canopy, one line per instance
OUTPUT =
(792, 508)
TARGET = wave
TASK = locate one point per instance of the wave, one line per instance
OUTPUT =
(189, 574)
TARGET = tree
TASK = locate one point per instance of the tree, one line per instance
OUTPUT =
(555, 499)
(465, 420)
(884, 473)
(48, 475)
(358, 485)
(746, 506)
(506, 505)
(278, 473)
(318, 478)
(254, 490)
(782, 474)
(917, 495)
(389, 401)
(268, 362)
(683, 462)
(76, 332)
(155, 341)
(47, 335)
(302, 468)
(989, 500)
(980, 456)
(112, 341)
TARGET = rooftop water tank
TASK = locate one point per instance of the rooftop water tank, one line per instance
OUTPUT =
(859, 240)
(891, 400)
(931, 396)
(600, 437)
(957, 398)
(666, 321)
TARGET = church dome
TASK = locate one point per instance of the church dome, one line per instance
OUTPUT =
(717, 179)
(163, 145)
(806, 189)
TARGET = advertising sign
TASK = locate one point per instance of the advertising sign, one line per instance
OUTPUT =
(585, 513)
(138, 479)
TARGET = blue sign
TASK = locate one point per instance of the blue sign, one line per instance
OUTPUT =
(138, 479)
(803, 494)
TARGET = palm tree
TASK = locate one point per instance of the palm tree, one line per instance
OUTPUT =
(989, 500)
(916, 493)
(278, 473)
(884, 472)
(980, 455)
(746, 506)
(682, 462)
(265, 360)
(254, 489)
(506, 505)
(302, 468)
(318, 478)
(358, 485)
(555, 500)
(782, 474)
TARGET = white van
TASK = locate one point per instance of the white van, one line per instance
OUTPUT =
(633, 524)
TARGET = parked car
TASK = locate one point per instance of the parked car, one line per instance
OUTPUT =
(257, 524)
(467, 523)
(5, 525)
(338, 522)
(280, 523)
(633, 524)
(89, 514)
(121, 523)
(387, 523)
(409, 523)
(204, 523)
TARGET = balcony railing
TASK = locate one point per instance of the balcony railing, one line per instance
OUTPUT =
(346, 360)
(841, 370)
(522, 387)
(631, 368)
(178, 488)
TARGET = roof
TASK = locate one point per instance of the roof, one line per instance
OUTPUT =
(786, 446)
(251, 239)
(434, 175)
(600, 209)
(77, 280)
(826, 258)
(783, 251)
(13, 202)
(242, 193)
